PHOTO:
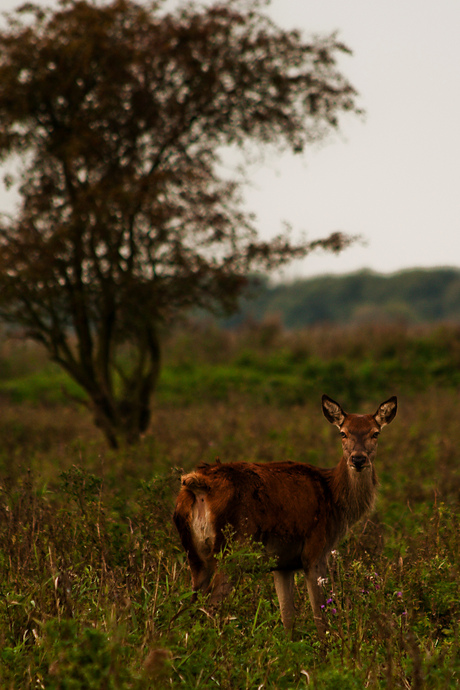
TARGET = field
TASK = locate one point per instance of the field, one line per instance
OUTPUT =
(94, 586)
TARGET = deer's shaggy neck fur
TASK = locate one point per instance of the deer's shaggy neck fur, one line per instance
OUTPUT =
(354, 491)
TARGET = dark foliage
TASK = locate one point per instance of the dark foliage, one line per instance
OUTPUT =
(411, 296)
(120, 112)
(94, 587)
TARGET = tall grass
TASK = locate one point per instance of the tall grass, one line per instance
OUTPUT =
(94, 586)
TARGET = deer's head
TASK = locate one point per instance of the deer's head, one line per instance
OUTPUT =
(359, 432)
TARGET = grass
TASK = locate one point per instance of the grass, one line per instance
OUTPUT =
(94, 586)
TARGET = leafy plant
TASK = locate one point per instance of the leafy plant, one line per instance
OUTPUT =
(125, 221)
(94, 584)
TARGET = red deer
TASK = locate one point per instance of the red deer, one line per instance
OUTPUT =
(299, 512)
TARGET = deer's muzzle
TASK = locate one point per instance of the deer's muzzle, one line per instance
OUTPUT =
(359, 462)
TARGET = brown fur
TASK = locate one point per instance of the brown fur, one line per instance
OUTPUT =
(299, 512)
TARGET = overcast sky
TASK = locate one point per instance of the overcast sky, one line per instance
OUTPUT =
(394, 177)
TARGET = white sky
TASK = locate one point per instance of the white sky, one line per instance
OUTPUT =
(392, 178)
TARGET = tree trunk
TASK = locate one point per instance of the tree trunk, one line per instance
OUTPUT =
(123, 420)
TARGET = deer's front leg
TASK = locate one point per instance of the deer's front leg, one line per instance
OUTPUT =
(316, 575)
(284, 585)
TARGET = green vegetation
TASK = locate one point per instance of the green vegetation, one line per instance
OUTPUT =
(412, 296)
(94, 586)
(117, 113)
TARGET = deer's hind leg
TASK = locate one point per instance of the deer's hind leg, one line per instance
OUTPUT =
(202, 572)
(206, 577)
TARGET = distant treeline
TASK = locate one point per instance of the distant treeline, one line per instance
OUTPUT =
(410, 296)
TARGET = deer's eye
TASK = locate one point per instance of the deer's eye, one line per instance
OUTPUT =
(343, 434)
(376, 434)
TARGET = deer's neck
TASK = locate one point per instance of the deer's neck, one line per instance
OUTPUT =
(354, 492)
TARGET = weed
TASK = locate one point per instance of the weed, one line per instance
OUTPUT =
(94, 585)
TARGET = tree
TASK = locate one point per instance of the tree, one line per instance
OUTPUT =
(119, 112)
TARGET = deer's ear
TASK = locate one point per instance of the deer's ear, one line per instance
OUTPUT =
(332, 411)
(386, 412)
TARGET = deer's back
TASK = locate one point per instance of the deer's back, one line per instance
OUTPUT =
(288, 506)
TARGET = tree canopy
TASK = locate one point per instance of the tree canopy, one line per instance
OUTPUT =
(119, 113)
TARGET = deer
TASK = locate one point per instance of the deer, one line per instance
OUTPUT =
(299, 512)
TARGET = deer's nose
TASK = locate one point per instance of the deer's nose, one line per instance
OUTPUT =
(358, 462)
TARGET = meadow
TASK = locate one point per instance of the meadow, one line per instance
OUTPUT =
(94, 585)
